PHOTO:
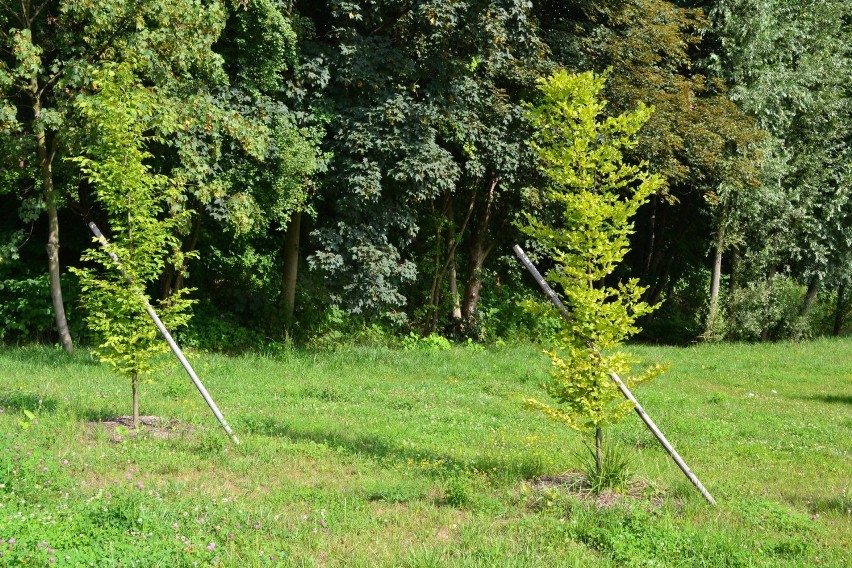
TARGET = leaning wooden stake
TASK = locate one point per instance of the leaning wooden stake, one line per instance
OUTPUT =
(617, 380)
(168, 336)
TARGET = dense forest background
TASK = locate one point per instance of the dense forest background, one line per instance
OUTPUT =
(355, 171)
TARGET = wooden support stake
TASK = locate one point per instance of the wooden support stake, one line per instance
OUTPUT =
(617, 380)
(168, 336)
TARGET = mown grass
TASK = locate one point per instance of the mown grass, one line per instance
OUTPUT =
(375, 457)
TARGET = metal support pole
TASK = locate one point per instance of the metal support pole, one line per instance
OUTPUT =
(168, 336)
(617, 380)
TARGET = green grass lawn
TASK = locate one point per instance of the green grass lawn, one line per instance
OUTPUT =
(374, 457)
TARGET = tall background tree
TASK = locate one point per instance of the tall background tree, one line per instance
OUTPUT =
(225, 124)
(49, 52)
(789, 66)
(428, 130)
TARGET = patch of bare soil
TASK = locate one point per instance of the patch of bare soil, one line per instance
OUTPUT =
(120, 428)
(574, 483)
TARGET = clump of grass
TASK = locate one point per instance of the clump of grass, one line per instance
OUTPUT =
(615, 471)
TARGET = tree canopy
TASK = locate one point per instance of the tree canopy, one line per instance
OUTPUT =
(363, 165)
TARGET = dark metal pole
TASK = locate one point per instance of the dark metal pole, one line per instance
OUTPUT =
(168, 336)
(616, 379)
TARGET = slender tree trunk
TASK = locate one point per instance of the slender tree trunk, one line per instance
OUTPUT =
(807, 304)
(449, 265)
(732, 281)
(473, 286)
(652, 230)
(134, 385)
(715, 278)
(839, 309)
(454, 291)
(478, 253)
(45, 156)
(655, 292)
(662, 257)
(446, 214)
(452, 279)
(167, 281)
(291, 265)
(599, 450)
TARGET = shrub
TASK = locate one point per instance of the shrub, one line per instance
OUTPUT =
(432, 342)
(765, 309)
(25, 308)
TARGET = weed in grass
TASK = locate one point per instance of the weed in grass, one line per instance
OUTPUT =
(458, 491)
(176, 389)
(211, 445)
(395, 492)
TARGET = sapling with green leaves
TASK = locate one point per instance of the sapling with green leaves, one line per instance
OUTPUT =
(594, 192)
(144, 212)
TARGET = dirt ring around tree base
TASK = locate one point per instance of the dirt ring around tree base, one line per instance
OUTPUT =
(575, 484)
(120, 428)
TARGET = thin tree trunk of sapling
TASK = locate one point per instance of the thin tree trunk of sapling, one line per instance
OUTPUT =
(134, 382)
(599, 450)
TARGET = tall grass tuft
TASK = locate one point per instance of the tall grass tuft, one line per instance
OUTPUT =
(615, 467)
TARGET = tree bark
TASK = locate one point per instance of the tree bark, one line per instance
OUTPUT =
(652, 230)
(478, 253)
(473, 285)
(449, 266)
(46, 156)
(291, 265)
(732, 280)
(807, 304)
(839, 309)
(654, 293)
(446, 215)
(715, 279)
(454, 291)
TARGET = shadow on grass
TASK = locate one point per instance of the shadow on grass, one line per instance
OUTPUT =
(830, 398)
(837, 504)
(98, 414)
(829, 504)
(436, 464)
(20, 401)
(42, 355)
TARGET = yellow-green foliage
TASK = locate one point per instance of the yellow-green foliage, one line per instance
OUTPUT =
(597, 193)
(144, 214)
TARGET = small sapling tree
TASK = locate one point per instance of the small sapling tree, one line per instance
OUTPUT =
(594, 192)
(144, 213)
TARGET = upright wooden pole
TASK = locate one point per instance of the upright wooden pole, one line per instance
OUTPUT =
(617, 380)
(168, 337)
